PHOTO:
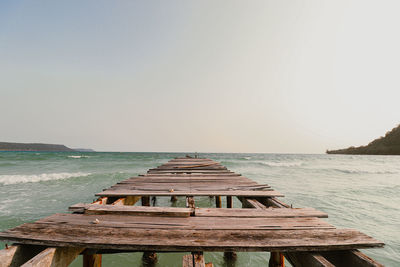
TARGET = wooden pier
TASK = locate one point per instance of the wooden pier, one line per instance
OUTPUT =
(123, 220)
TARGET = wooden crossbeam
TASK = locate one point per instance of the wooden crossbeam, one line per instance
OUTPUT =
(131, 210)
(239, 193)
(15, 256)
(54, 257)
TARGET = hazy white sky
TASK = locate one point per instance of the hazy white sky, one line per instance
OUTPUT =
(206, 76)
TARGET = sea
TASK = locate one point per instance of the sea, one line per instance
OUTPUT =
(360, 192)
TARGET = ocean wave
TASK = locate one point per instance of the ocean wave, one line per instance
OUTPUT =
(282, 164)
(78, 157)
(34, 178)
(356, 171)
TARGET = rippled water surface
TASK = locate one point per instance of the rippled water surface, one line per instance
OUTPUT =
(361, 192)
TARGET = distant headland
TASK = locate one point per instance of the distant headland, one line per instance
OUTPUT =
(385, 145)
(7, 146)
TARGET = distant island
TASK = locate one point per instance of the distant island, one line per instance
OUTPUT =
(385, 145)
(6, 146)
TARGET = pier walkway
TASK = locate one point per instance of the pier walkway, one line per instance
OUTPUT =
(123, 220)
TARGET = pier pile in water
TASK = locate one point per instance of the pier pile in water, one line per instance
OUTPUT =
(116, 223)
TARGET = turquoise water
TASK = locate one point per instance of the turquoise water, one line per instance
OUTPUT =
(361, 192)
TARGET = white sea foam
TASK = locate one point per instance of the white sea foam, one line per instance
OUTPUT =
(282, 164)
(77, 157)
(34, 178)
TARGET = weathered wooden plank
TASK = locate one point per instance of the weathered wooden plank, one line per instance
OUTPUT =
(99, 237)
(54, 257)
(79, 207)
(190, 163)
(193, 222)
(262, 213)
(189, 167)
(15, 256)
(185, 187)
(173, 180)
(183, 174)
(131, 210)
(190, 171)
(243, 193)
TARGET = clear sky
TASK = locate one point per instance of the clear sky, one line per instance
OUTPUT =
(205, 76)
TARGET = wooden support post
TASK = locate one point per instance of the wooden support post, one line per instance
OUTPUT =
(229, 202)
(187, 261)
(15, 256)
(93, 260)
(218, 201)
(190, 202)
(149, 258)
(276, 260)
(196, 259)
(54, 257)
(146, 201)
(230, 257)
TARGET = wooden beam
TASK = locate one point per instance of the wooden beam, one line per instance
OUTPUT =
(350, 258)
(308, 259)
(131, 200)
(15, 256)
(119, 202)
(132, 210)
(122, 192)
(54, 257)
